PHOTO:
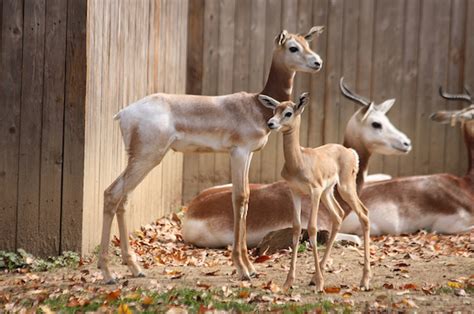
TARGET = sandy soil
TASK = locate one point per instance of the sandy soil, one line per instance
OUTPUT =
(424, 272)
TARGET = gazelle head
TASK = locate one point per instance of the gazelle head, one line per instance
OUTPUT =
(295, 53)
(371, 128)
(286, 114)
(453, 116)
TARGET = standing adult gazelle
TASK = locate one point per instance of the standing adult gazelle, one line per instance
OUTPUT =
(236, 124)
(316, 172)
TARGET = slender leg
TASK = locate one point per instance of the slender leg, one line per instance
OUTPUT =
(115, 197)
(349, 194)
(240, 198)
(128, 256)
(317, 279)
(336, 213)
(296, 239)
(245, 256)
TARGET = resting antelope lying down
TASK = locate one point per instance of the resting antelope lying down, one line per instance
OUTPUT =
(441, 202)
(317, 172)
(208, 220)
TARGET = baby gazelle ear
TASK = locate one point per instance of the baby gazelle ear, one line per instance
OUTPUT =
(315, 30)
(268, 102)
(302, 102)
(281, 38)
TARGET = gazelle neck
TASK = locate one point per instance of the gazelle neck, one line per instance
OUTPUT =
(364, 157)
(292, 148)
(468, 129)
(280, 81)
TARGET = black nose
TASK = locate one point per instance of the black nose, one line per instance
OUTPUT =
(317, 65)
(270, 125)
(407, 144)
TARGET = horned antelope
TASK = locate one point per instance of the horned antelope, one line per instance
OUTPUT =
(233, 123)
(316, 172)
(208, 220)
(442, 202)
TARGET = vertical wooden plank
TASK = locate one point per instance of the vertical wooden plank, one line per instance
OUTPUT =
(53, 123)
(30, 129)
(333, 70)
(349, 62)
(73, 168)
(406, 99)
(440, 69)
(388, 49)
(272, 29)
(256, 68)
(228, 23)
(427, 98)
(365, 47)
(10, 94)
(209, 85)
(453, 137)
(318, 82)
(195, 47)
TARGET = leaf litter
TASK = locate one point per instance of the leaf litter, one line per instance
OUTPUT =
(398, 282)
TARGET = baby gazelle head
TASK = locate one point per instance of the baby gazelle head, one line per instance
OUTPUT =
(371, 127)
(286, 114)
(293, 50)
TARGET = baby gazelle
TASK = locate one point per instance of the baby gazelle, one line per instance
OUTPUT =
(315, 172)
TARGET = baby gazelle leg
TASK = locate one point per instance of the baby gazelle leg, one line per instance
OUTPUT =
(296, 239)
(349, 195)
(336, 213)
(317, 279)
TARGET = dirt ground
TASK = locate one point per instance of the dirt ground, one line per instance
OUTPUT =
(421, 272)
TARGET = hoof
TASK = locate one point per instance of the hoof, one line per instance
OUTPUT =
(253, 274)
(287, 286)
(140, 275)
(245, 277)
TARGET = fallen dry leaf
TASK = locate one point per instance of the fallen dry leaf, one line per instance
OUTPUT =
(113, 295)
(262, 258)
(332, 289)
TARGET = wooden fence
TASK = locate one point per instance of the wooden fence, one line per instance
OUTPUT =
(66, 68)
(400, 49)
(135, 48)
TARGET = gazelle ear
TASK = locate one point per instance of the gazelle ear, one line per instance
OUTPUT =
(386, 105)
(302, 102)
(268, 102)
(281, 38)
(315, 30)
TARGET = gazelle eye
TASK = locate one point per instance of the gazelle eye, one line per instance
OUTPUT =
(288, 114)
(376, 125)
(293, 49)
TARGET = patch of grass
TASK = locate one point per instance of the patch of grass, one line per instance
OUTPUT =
(22, 259)
(324, 306)
(145, 301)
(302, 247)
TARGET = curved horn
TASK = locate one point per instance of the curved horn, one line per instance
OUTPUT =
(351, 95)
(462, 97)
